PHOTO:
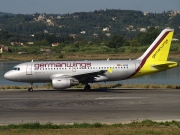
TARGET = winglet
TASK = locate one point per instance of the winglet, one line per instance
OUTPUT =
(159, 49)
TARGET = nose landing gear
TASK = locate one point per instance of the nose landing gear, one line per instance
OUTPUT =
(30, 89)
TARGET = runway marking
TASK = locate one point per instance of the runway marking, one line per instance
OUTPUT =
(108, 98)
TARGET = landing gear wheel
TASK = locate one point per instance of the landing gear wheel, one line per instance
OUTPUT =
(87, 87)
(30, 89)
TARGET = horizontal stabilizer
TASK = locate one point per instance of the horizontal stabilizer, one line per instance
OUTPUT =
(163, 65)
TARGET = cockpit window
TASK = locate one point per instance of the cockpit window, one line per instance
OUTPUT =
(16, 68)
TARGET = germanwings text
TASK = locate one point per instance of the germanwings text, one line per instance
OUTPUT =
(64, 65)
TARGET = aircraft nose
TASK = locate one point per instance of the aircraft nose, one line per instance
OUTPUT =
(7, 75)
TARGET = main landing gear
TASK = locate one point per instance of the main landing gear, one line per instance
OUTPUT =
(30, 89)
(87, 87)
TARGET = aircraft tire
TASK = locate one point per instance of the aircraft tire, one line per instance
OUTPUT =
(87, 88)
(30, 89)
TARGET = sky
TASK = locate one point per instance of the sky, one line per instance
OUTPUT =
(71, 6)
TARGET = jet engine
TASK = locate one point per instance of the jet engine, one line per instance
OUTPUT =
(63, 83)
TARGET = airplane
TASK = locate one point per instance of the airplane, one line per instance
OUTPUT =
(64, 74)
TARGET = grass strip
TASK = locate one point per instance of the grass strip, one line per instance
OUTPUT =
(146, 127)
(100, 86)
(37, 125)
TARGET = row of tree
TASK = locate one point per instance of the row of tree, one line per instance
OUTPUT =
(141, 39)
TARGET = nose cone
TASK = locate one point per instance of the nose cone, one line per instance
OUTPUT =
(8, 76)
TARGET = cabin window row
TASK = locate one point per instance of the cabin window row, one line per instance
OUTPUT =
(124, 67)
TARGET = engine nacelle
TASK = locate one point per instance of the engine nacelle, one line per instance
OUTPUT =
(63, 83)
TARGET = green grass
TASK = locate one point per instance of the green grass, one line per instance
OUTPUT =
(99, 86)
(135, 123)
(146, 127)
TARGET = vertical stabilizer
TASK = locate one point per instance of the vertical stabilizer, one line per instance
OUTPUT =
(159, 49)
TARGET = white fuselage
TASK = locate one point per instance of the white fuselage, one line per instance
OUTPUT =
(44, 71)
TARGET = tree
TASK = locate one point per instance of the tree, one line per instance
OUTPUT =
(116, 42)
(148, 37)
(134, 42)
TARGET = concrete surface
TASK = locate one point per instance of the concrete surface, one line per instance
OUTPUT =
(76, 105)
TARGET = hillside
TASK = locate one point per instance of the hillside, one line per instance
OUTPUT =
(103, 31)
(90, 24)
(3, 13)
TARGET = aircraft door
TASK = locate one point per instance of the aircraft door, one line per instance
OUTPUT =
(29, 69)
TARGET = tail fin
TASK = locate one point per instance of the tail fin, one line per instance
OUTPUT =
(159, 49)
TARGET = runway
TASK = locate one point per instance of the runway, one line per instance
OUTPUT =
(76, 105)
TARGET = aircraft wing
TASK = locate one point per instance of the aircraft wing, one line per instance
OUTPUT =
(81, 77)
(91, 73)
(88, 77)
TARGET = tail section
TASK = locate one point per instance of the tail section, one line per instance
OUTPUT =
(155, 57)
(159, 49)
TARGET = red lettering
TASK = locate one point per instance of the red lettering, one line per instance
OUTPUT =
(72, 64)
(36, 66)
(41, 65)
(58, 65)
(88, 64)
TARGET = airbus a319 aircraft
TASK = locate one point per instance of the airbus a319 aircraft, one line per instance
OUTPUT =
(64, 74)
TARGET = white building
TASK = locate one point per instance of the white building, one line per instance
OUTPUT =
(175, 39)
(106, 29)
(142, 29)
(83, 32)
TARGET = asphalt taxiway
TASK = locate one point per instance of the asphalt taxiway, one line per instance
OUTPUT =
(104, 105)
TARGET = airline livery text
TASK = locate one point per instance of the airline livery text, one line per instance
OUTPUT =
(159, 49)
(64, 64)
